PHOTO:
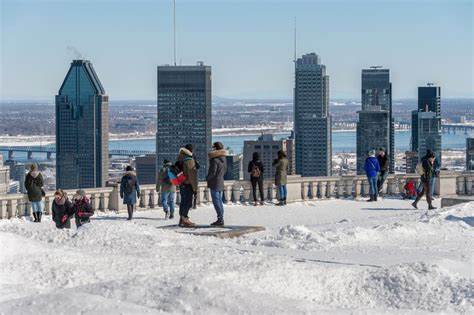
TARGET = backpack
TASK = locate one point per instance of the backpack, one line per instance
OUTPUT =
(419, 169)
(255, 171)
(129, 184)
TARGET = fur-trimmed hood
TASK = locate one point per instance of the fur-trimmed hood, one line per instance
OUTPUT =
(185, 151)
(130, 173)
(217, 153)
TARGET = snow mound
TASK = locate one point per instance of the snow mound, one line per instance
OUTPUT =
(463, 216)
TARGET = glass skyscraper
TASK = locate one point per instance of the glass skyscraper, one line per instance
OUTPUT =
(82, 129)
(376, 126)
(426, 122)
(312, 122)
(184, 113)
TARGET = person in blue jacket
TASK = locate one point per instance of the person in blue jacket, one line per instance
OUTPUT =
(372, 168)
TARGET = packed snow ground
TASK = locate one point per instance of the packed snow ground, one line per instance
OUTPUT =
(335, 256)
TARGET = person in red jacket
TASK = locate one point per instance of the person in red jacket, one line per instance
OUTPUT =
(82, 208)
(410, 190)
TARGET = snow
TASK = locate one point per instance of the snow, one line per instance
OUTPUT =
(334, 256)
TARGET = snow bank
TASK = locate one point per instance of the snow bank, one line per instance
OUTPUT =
(115, 266)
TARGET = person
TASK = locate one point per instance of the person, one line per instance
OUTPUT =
(410, 189)
(82, 208)
(384, 163)
(427, 163)
(62, 210)
(190, 147)
(168, 190)
(436, 171)
(129, 190)
(189, 187)
(256, 170)
(281, 171)
(215, 179)
(34, 188)
(372, 167)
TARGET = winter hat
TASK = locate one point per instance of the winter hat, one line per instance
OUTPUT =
(165, 161)
(256, 156)
(372, 153)
(81, 192)
(129, 168)
(218, 145)
(189, 147)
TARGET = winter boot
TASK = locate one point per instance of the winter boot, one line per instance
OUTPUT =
(171, 215)
(187, 223)
(280, 203)
(181, 219)
(371, 198)
(39, 216)
(375, 197)
(130, 214)
(430, 207)
(262, 203)
(167, 215)
(414, 205)
(35, 216)
(219, 222)
(255, 203)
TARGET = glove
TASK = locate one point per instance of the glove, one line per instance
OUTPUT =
(64, 218)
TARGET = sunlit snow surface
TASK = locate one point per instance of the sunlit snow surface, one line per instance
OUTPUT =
(335, 256)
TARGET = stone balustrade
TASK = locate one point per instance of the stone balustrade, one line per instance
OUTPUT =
(240, 192)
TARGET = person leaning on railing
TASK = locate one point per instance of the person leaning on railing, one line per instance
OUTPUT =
(34, 187)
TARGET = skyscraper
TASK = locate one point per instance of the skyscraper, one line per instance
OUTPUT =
(312, 122)
(184, 112)
(469, 154)
(82, 129)
(376, 126)
(426, 122)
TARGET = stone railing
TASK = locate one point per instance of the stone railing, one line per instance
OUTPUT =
(464, 183)
(240, 192)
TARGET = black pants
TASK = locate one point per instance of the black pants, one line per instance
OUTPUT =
(425, 191)
(186, 192)
(257, 181)
(382, 177)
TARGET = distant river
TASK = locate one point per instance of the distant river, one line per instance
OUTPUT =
(341, 142)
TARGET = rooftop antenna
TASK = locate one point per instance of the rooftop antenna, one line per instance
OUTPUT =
(294, 53)
(174, 31)
(430, 84)
(376, 67)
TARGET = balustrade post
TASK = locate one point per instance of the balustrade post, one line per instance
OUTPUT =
(357, 188)
(469, 184)
(322, 187)
(47, 204)
(460, 181)
(365, 185)
(227, 194)
(401, 185)
(331, 185)
(304, 191)
(391, 186)
(235, 193)
(94, 201)
(312, 191)
(269, 191)
(206, 195)
(340, 188)
(12, 208)
(349, 182)
(246, 192)
(3, 210)
(178, 197)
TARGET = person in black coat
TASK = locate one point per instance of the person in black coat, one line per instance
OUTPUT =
(256, 170)
(82, 208)
(428, 168)
(215, 179)
(384, 163)
(62, 210)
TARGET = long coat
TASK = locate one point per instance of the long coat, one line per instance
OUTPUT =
(33, 185)
(217, 170)
(281, 171)
(62, 214)
(129, 198)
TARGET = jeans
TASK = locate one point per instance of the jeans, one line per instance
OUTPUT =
(167, 199)
(186, 192)
(373, 186)
(257, 181)
(381, 179)
(37, 206)
(217, 202)
(282, 191)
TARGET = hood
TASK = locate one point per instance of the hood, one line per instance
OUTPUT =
(217, 153)
(130, 173)
(34, 174)
(185, 151)
(255, 156)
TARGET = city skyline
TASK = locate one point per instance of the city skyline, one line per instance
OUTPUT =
(234, 46)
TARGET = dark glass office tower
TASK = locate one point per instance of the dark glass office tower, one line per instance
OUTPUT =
(82, 129)
(376, 126)
(312, 122)
(184, 113)
(426, 122)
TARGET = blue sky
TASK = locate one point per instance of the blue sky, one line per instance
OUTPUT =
(249, 44)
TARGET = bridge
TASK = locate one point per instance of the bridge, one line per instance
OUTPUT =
(50, 150)
(459, 128)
